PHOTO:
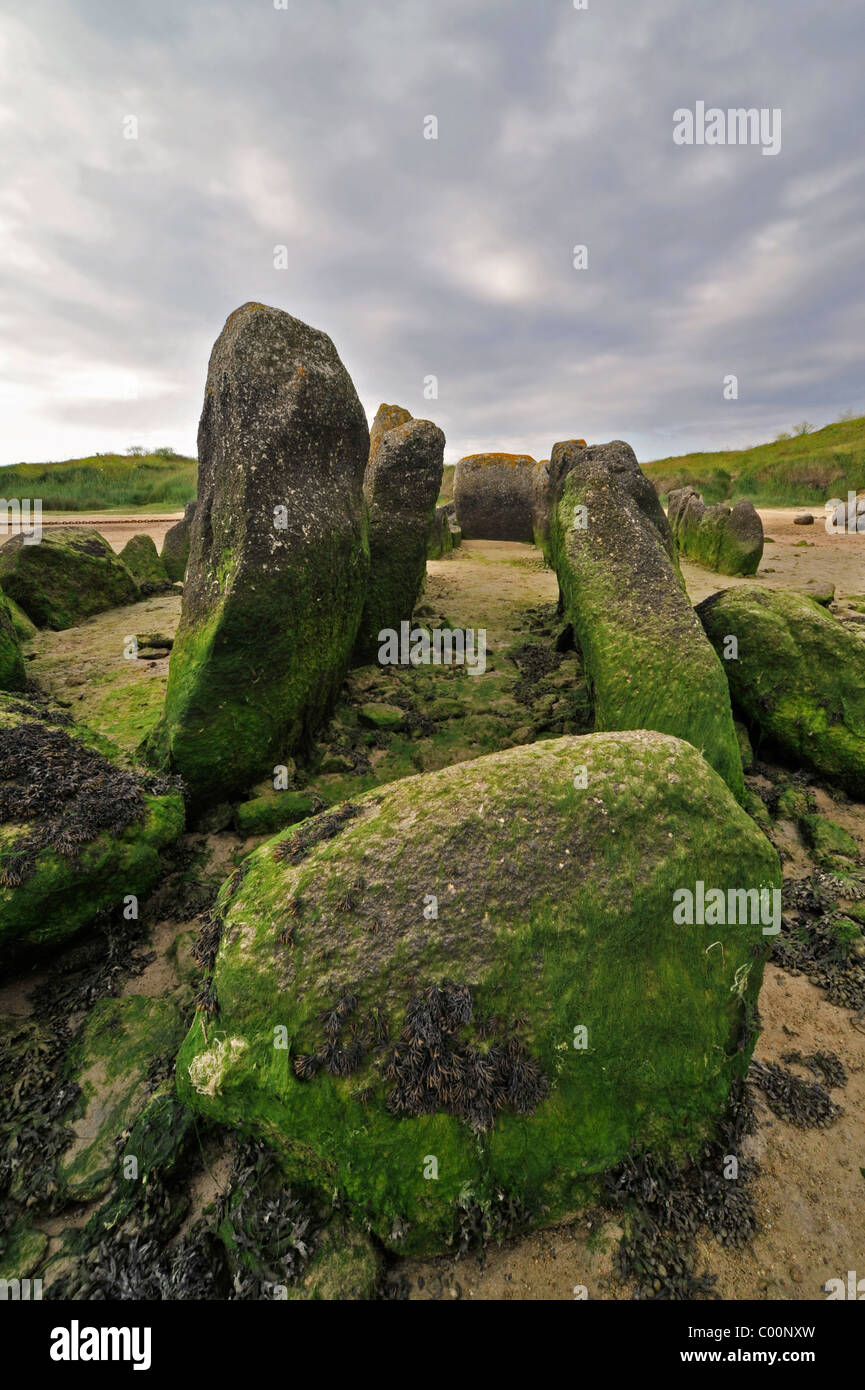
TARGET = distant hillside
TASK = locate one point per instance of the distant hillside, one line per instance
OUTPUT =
(806, 470)
(162, 482)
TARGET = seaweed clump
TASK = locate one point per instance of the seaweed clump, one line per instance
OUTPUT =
(314, 831)
(66, 792)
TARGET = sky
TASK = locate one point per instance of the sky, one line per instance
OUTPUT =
(155, 153)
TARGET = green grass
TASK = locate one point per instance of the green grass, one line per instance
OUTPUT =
(804, 471)
(105, 482)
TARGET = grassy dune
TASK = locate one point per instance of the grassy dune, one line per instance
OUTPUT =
(106, 482)
(806, 470)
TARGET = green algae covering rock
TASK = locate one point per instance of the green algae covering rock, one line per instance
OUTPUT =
(175, 545)
(279, 556)
(497, 497)
(728, 540)
(78, 833)
(67, 576)
(141, 558)
(401, 485)
(12, 674)
(798, 677)
(471, 983)
(645, 654)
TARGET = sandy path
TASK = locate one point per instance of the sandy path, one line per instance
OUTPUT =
(116, 528)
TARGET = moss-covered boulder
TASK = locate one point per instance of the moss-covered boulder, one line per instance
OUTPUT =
(798, 677)
(728, 540)
(12, 674)
(141, 558)
(471, 982)
(401, 485)
(67, 576)
(496, 496)
(279, 556)
(175, 545)
(25, 628)
(647, 659)
(78, 833)
(444, 534)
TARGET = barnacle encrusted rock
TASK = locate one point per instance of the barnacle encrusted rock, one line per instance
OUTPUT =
(12, 674)
(728, 540)
(141, 558)
(67, 576)
(411, 976)
(401, 485)
(78, 833)
(500, 497)
(279, 556)
(175, 545)
(798, 677)
(646, 656)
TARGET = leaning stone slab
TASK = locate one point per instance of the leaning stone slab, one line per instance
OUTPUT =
(67, 576)
(401, 485)
(279, 556)
(483, 964)
(647, 659)
(175, 545)
(798, 677)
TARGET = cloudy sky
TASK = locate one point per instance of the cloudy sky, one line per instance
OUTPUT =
(268, 123)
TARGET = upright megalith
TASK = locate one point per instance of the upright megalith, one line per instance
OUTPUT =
(646, 655)
(279, 555)
(402, 482)
(444, 534)
(175, 545)
(728, 540)
(141, 558)
(387, 418)
(497, 496)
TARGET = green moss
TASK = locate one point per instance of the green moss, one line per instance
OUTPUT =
(798, 678)
(68, 576)
(827, 840)
(645, 657)
(22, 1250)
(12, 673)
(381, 716)
(141, 558)
(345, 1267)
(63, 895)
(265, 814)
(25, 629)
(553, 902)
(793, 804)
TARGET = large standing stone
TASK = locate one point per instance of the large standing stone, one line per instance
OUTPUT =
(279, 555)
(402, 483)
(67, 576)
(797, 675)
(175, 545)
(549, 1014)
(646, 656)
(727, 540)
(497, 496)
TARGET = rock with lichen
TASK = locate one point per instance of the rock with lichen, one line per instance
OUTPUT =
(647, 659)
(401, 485)
(481, 966)
(499, 497)
(67, 576)
(279, 556)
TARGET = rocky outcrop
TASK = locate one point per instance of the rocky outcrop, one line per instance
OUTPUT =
(141, 558)
(727, 540)
(647, 659)
(67, 576)
(279, 557)
(491, 951)
(175, 545)
(445, 534)
(78, 833)
(498, 496)
(797, 675)
(402, 482)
